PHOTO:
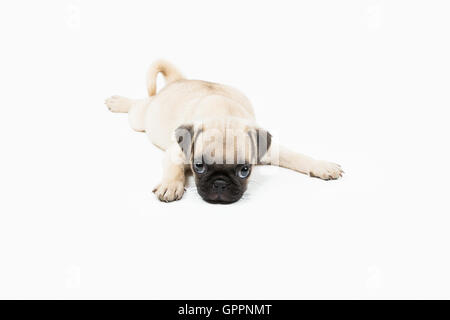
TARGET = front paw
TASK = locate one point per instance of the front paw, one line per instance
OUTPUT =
(169, 191)
(326, 170)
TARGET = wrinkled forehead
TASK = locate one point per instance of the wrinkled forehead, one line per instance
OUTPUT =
(223, 146)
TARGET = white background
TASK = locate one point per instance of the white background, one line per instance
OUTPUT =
(361, 83)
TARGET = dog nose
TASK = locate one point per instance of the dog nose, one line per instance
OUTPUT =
(219, 184)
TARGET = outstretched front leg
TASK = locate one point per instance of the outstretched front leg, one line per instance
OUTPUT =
(171, 187)
(283, 157)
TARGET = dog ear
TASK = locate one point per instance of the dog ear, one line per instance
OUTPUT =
(184, 135)
(262, 139)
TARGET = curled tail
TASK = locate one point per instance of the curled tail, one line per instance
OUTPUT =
(170, 73)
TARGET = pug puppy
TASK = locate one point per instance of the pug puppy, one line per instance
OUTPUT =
(210, 129)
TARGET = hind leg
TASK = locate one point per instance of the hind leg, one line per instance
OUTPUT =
(119, 104)
(136, 110)
(136, 115)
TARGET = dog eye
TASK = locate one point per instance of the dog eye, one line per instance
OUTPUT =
(199, 167)
(243, 172)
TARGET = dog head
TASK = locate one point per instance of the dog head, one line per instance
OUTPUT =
(221, 154)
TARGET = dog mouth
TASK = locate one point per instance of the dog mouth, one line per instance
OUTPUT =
(220, 198)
